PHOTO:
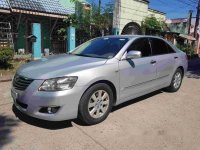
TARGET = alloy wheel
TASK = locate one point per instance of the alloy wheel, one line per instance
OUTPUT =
(177, 80)
(98, 104)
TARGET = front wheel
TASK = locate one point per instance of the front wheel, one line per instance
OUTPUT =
(96, 104)
(176, 81)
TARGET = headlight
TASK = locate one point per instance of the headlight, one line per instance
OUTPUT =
(58, 84)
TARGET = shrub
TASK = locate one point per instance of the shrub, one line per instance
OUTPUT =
(6, 54)
(187, 48)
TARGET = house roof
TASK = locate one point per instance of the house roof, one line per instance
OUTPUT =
(177, 20)
(4, 4)
(147, 1)
(157, 11)
(36, 6)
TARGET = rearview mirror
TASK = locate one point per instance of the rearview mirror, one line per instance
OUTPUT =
(133, 54)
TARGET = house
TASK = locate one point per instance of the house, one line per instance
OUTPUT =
(178, 25)
(21, 19)
(128, 15)
(181, 26)
(27, 25)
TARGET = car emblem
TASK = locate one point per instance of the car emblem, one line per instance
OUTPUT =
(17, 78)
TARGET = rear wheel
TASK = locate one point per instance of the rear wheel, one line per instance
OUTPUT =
(96, 104)
(176, 81)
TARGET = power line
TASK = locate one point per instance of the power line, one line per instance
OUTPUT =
(167, 5)
(184, 2)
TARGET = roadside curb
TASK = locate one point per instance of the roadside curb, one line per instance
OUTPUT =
(6, 80)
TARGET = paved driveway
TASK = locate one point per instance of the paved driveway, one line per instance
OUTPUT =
(158, 121)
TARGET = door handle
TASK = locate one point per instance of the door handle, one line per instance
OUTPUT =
(175, 57)
(153, 62)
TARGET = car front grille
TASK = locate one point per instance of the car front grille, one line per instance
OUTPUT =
(21, 83)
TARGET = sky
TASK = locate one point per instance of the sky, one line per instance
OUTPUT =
(172, 8)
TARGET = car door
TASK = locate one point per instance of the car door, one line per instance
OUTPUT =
(137, 75)
(165, 59)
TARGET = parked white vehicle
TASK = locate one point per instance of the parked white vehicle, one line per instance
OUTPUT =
(96, 76)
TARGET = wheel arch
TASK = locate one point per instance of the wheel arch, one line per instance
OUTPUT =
(110, 84)
(182, 69)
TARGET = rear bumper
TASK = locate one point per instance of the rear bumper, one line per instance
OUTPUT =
(68, 102)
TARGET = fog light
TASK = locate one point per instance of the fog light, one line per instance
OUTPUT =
(49, 110)
(52, 110)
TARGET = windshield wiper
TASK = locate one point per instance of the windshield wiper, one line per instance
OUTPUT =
(84, 55)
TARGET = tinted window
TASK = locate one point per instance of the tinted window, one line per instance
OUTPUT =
(170, 49)
(159, 47)
(142, 45)
(101, 47)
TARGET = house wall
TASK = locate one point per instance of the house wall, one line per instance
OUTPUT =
(67, 4)
(132, 11)
(46, 33)
(20, 40)
(158, 15)
(179, 27)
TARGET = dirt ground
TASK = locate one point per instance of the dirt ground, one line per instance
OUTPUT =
(158, 121)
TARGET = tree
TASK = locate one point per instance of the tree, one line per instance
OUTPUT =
(103, 21)
(151, 25)
(89, 23)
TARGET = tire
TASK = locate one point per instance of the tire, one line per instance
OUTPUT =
(92, 108)
(173, 87)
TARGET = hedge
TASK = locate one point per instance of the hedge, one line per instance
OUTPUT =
(6, 54)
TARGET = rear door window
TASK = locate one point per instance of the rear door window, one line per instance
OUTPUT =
(159, 47)
(170, 49)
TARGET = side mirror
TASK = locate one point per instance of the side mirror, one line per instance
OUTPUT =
(133, 54)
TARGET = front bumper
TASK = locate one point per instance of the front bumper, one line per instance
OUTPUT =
(68, 102)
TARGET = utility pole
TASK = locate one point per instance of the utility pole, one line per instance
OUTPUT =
(116, 17)
(189, 20)
(197, 20)
(99, 6)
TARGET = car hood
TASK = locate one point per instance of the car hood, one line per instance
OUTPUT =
(58, 66)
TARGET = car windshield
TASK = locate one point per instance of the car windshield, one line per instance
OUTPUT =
(101, 47)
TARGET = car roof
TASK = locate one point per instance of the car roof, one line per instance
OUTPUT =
(132, 36)
(141, 36)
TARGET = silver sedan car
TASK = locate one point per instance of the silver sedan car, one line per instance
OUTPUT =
(101, 73)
